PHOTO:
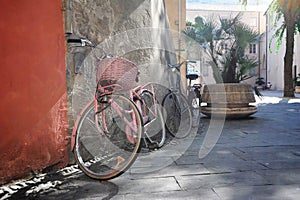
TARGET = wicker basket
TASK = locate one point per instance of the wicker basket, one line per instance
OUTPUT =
(118, 73)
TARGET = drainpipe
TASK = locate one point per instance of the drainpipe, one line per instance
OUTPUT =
(68, 17)
(259, 41)
(295, 73)
(179, 28)
(267, 47)
(184, 71)
(259, 56)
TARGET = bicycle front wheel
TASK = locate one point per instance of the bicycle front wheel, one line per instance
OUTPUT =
(154, 127)
(108, 138)
(178, 115)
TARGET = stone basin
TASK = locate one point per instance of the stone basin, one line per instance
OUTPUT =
(230, 100)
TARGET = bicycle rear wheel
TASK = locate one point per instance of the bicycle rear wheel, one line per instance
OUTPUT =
(178, 119)
(102, 148)
(154, 127)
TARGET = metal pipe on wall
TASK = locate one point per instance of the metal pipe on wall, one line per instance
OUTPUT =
(179, 30)
(259, 42)
(267, 47)
(68, 16)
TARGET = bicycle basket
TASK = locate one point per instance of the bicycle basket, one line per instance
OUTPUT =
(116, 74)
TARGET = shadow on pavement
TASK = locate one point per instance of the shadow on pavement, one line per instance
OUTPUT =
(57, 186)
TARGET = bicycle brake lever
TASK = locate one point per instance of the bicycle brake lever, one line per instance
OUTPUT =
(86, 42)
(190, 61)
(174, 67)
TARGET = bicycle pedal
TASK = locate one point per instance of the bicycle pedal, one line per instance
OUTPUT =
(153, 146)
(103, 101)
(144, 150)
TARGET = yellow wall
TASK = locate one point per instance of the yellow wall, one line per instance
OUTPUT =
(177, 22)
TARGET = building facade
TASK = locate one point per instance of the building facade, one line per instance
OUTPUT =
(273, 68)
(271, 62)
(252, 16)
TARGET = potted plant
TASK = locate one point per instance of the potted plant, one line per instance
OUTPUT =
(226, 43)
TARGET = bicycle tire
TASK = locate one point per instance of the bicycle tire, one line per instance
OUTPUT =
(154, 128)
(178, 115)
(104, 153)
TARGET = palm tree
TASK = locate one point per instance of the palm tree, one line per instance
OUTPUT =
(226, 43)
(290, 11)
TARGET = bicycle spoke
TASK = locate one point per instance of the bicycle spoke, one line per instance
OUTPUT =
(179, 116)
(154, 126)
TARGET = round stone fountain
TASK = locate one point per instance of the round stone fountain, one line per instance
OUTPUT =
(230, 100)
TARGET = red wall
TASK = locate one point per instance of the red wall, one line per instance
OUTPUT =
(33, 102)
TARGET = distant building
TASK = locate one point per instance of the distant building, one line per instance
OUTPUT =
(252, 16)
(273, 62)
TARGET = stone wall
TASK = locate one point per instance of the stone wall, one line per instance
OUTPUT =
(134, 29)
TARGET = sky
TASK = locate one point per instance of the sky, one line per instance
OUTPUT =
(230, 2)
(234, 5)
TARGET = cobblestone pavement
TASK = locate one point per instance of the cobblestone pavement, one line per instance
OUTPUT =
(255, 158)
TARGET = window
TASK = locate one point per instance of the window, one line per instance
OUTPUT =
(252, 48)
(224, 48)
(252, 22)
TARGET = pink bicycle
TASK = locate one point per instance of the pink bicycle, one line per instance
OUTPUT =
(110, 131)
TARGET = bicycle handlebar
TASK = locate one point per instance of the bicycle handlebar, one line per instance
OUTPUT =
(82, 41)
(73, 40)
(190, 61)
(85, 42)
(177, 65)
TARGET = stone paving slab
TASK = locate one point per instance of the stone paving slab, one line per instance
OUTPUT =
(270, 153)
(171, 170)
(281, 177)
(189, 160)
(247, 178)
(268, 192)
(282, 164)
(201, 194)
(233, 166)
(146, 185)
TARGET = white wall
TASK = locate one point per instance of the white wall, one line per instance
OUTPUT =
(297, 53)
(275, 60)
